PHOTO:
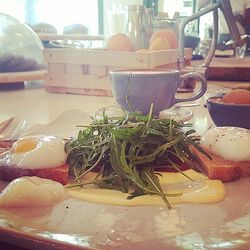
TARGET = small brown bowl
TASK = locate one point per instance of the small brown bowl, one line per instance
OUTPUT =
(225, 114)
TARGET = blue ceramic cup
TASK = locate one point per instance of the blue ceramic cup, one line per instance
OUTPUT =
(136, 90)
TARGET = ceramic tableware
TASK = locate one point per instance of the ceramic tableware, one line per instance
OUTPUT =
(136, 90)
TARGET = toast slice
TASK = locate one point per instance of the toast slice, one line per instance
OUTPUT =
(59, 174)
(221, 169)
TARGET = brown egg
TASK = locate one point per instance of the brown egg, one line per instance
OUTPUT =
(237, 96)
(159, 43)
(119, 42)
(167, 34)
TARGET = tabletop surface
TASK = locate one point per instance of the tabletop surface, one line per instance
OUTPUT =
(40, 107)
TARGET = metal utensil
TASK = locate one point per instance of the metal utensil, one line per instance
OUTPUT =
(5, 124)
(12, 128)
(237, 39)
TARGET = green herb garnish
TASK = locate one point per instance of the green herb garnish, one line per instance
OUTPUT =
(125, 151)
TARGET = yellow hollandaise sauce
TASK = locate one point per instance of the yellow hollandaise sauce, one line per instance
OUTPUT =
(198, 190)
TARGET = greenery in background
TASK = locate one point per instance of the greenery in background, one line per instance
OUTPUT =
(125, 152)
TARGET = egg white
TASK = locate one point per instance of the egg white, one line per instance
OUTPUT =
(231, 143)
(42, 192)
(48, 153)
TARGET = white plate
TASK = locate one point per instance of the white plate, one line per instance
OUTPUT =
(77, 225)
(178, 114)
(111, 111)
(66, 125)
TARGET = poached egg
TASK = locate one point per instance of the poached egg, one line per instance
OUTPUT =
(31, 191)
(230, 143)
(36, 152)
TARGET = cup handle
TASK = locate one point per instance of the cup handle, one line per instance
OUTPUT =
(202, 90)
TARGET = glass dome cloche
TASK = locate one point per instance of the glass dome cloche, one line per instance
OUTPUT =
(20, 47)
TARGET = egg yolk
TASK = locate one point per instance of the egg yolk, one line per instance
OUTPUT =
(25, 145)
(201, 190)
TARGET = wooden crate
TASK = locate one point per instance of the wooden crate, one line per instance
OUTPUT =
(87, 71)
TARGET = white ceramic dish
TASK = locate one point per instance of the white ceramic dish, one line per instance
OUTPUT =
(178, 114)
(75, 224)
(111, 111)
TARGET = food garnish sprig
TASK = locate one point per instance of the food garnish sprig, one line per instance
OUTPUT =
(125, 151)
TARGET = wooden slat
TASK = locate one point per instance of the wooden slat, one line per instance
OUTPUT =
(78, 81)
(98, 70)
(81, 37)
(146, 60)
(73, 69)
(10, 77)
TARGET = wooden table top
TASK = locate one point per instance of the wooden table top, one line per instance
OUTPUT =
(228, 69)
